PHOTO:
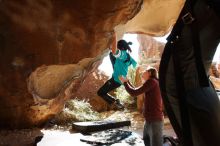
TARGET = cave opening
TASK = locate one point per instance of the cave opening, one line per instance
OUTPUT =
(146, 50)
(50, 54)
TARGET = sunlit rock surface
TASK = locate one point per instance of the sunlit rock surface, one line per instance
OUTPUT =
(150, 50)
(149, 54)
(214, 77)
(155, 18)
(42, 32)
(48, 85)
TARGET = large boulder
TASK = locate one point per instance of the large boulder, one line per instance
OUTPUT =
(34, 33)
(155, 18)
(41, 33)
(88, 90)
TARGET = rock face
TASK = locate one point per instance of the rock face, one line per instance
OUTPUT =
(88, 90)
(33, 33)
(155, 18)
(41, 33)
(150, 50)
(149, 54)
(214, 73)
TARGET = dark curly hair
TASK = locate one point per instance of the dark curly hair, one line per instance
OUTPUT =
(123, 45)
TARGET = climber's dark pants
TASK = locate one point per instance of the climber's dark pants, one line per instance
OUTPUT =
(110, 85)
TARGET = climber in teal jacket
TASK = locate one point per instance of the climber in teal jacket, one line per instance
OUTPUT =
(120, 60)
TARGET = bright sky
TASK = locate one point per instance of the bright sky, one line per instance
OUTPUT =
(106, 66)
(216, 57)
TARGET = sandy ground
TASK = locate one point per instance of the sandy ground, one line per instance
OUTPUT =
(30, 137)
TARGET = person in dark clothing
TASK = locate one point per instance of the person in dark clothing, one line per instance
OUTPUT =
(121, 60)
(152, 111)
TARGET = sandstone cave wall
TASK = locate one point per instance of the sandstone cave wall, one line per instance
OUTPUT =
(48, 46)
(45, 32)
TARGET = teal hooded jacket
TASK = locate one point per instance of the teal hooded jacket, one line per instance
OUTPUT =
(122, 61)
